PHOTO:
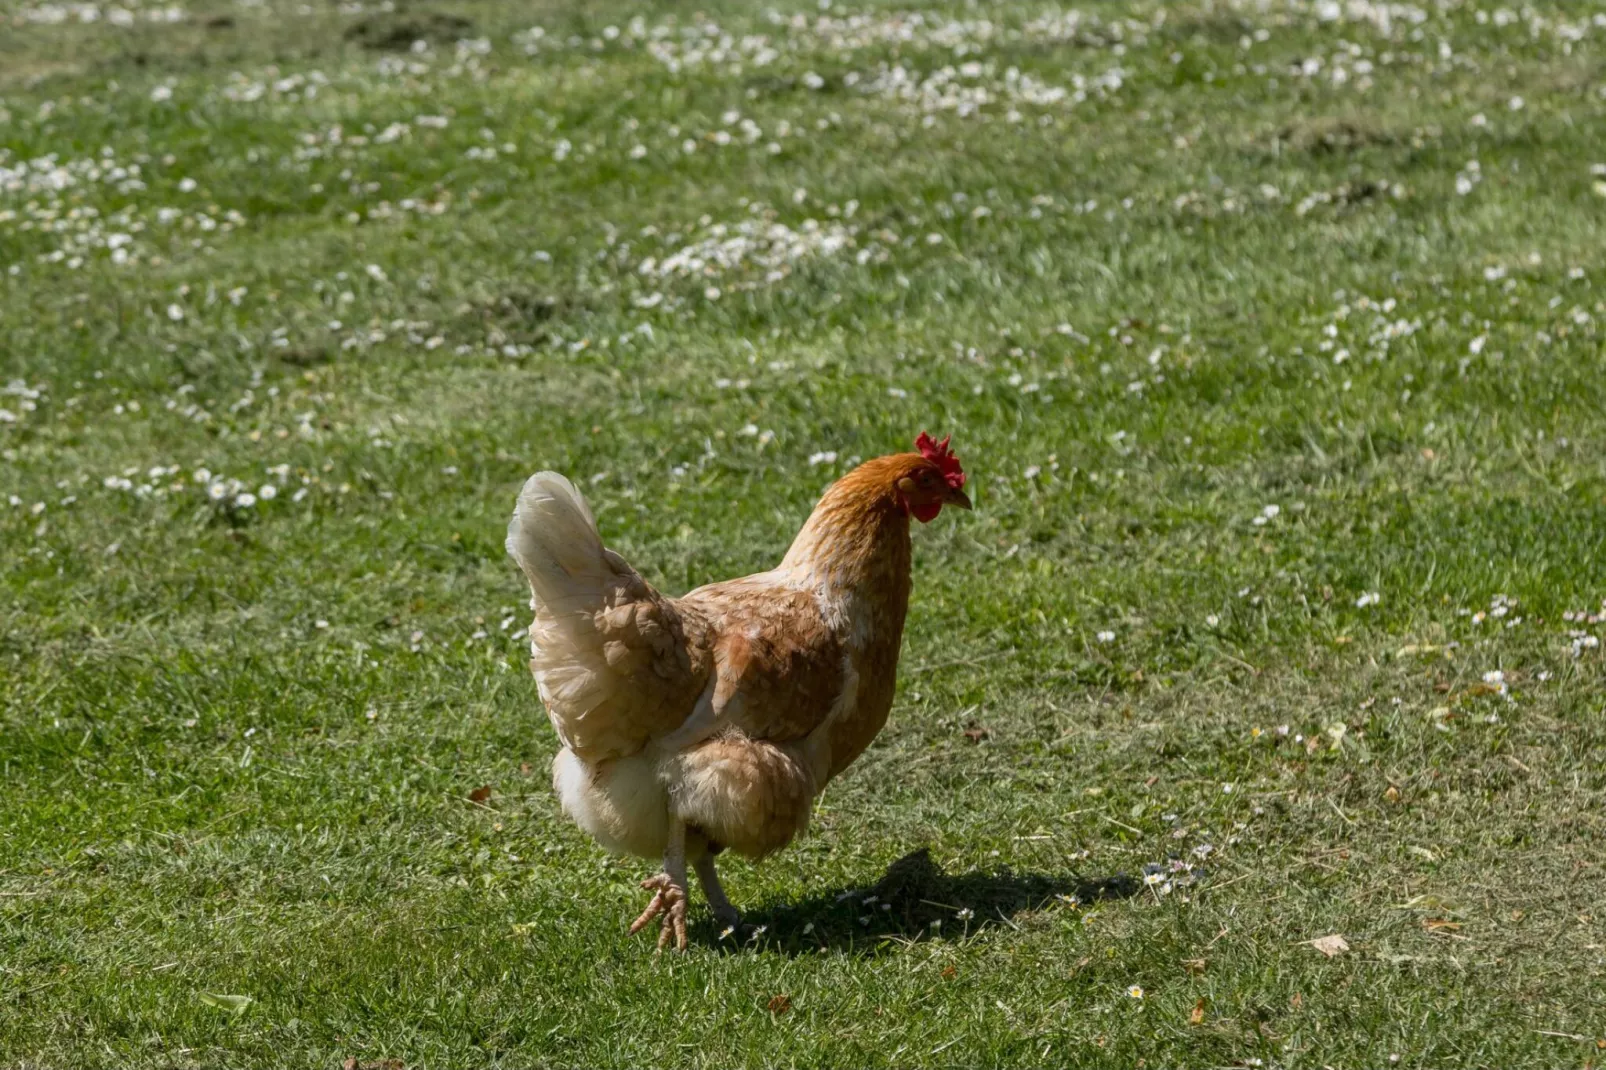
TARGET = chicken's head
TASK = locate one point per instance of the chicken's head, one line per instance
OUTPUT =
(934, 479)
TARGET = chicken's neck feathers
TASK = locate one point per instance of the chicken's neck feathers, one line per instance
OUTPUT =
(854, 554)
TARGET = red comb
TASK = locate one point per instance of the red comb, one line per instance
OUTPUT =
(939, 454)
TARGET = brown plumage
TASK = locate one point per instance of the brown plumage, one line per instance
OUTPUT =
(711, 721)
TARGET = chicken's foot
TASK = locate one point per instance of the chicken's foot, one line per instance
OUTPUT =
(669, 892)
(726, 915)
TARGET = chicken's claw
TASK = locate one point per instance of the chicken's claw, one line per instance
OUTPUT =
(669, 900)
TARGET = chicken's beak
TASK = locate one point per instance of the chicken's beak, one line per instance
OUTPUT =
(957, 498)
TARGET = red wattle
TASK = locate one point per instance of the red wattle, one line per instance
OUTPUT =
(926, 513)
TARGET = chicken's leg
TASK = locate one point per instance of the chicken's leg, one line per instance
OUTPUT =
(726, 915)
(669, 892)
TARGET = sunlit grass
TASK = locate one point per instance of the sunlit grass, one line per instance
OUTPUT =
(1275, 356)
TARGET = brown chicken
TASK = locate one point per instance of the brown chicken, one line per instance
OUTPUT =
(709, 722)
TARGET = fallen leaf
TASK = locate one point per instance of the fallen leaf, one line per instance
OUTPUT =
(232, 1004)
(949, 973)
(1330, 945)
(1440, 925)
(1412, 649)
(780, 1004)
(372, 1064)
(1392, 795)
(1194, 966)
(1297, 1002)
(975, 732)
(479, 795)
(1196, 1016)
(524, 767)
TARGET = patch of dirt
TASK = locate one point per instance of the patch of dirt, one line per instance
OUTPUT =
(1218, 27)
(1333, 136)
(29, 74)
(392, 32)
(515, 316)
(1361, 192)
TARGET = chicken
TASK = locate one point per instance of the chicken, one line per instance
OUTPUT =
(710, 722)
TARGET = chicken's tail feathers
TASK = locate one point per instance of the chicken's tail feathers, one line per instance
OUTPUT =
(608, 652)
(554, 539)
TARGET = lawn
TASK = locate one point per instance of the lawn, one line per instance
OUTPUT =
(1270, 333)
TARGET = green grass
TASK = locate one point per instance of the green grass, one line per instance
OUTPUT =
(237, 741)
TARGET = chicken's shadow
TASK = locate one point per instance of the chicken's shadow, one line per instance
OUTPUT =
(914, 901)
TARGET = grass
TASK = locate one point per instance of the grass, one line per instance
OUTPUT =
(1258, 268)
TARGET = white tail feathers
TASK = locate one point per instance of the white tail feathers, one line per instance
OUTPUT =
(608, 652)
(554, 538)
